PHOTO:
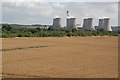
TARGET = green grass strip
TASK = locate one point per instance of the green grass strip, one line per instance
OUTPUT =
(22, 48)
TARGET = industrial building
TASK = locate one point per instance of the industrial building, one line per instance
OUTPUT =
(88, 24)
(115, 28)
(71, 23)
(100, 24)
(85, 24)
(106, 25)
(56, 22)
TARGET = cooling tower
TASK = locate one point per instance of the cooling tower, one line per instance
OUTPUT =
(71, 23)
(88, 24)
(85, 24)
(106, 25)
(56, 23)
(100, 24)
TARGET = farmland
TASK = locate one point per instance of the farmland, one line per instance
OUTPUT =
(63, 57)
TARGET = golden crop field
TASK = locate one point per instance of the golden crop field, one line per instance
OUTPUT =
(65, 57)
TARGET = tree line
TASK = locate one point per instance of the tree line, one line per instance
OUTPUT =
(9, 32)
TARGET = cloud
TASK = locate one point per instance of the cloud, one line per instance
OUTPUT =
(43, 12)
(60, 0)
(58, 5)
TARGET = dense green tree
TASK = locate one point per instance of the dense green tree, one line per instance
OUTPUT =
(9, 31)
(6, 27)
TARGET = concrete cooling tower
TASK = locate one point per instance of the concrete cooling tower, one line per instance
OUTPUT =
(71, 24)
(88, 24)
(100, 24)
(106, 25)
(56, 22)
(85, 24)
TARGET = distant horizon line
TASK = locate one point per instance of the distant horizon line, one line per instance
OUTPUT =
(41, 24)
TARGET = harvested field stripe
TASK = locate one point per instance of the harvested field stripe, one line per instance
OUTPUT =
(28, 76)
(22, 48)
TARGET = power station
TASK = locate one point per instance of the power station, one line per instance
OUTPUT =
(70, 24)
(106, 25)
(100, 24)
(87, 23)
(56, 22)
(90, 24)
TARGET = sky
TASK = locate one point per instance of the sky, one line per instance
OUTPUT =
(59, 0)
(42, 12)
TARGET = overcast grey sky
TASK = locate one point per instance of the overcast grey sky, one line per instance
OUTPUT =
(43, 12)
(60, 0)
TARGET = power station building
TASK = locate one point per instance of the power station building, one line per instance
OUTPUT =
(56, 22)
(100, 24)
(71, 23)
(85, 24)
(88, 24)
(104, 24)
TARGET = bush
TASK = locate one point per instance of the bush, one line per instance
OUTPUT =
(19, 35)
(69, 34)
(8, 31)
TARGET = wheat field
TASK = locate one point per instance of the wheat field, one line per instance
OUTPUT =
(64, 57)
